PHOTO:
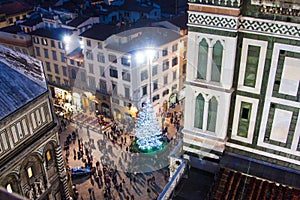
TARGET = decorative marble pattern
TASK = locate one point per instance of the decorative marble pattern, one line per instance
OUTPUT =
(209, 20)
(269, 27)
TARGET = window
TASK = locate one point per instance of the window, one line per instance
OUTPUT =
(212, 114)
(48, 67)
(184, 54)
(113, 72)
(114, 88)
(72, 61)
(174, 87)
(244, 120)
(251, 65)
(112, 58)
(89, 55)
(57, 79)
(127, 92)
(154, 70)
(144, 75)
(46, 54)
(62, 57)
(36, 40)
(48, 155)
(100, 58)
(82, 75)
(91, 68)
(66, 82)
(165, 52)
(199, 111)
(73, 74)
(54, 56)
(174, 75)
(165, 79)
(50, 79)
(174, 61)
(88, 43)
(155, 98)
(165, 92)
(165, 65)
(102, 71)
(9, 188)
(155, 85)
(125, 61)
(174, 47)
(60, 45)
(245, 113)
(126, 76)
(44, 42)
(56, 69)
(202, 59)
(102, 86)
(92, 83)
(52, 43)
(217, 62)
(64, 70)
(29, 172)
(100, 45)
(144, 90)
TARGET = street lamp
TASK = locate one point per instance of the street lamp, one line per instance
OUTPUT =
(147, 55)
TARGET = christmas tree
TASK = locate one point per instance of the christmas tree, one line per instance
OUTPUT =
(147, 130)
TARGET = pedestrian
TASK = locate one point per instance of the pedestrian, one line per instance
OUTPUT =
(148, 191)
(131, 197)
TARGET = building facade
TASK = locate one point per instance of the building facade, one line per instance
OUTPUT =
(31, 157)
(120, 65)
(242, 86)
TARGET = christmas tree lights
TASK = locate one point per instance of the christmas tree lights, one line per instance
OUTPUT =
(147, 130)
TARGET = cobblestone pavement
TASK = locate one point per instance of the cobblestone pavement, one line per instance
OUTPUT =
(116, 156)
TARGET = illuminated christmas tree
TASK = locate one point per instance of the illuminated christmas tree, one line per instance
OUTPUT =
(147, 130)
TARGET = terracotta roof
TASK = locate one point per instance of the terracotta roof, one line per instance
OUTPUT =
(14, 7)
(232, 185)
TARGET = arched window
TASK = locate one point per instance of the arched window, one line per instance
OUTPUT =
(217, 62)
(202, 59)
(212, 114)
(199, 110)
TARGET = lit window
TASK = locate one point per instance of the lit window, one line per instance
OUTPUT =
(48, 155)
(8, 188)
(29, 172)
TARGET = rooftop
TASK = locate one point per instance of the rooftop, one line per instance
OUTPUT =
(138, 38)
(100, 31)
(77, 21)
(11, 8)
(11, 29)
(54, 33)
(19, 81)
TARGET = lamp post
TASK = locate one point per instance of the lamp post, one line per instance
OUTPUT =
(147, 54)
